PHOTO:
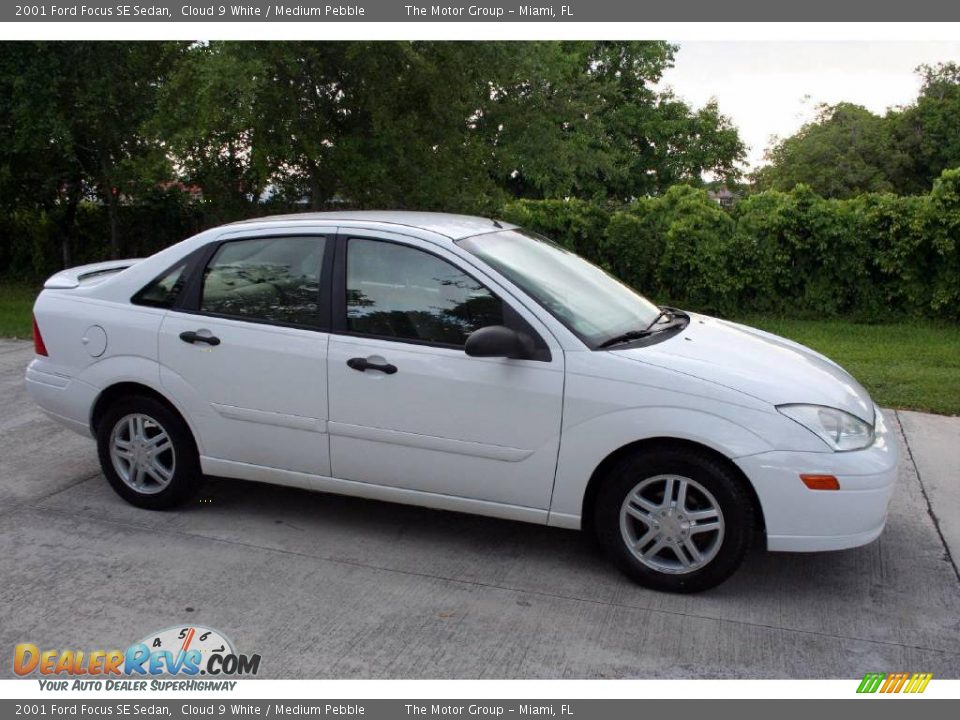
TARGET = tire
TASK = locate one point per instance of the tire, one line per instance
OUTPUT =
(701, 544)
(128, 437)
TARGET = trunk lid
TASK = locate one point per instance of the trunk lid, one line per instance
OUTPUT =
(87, 274)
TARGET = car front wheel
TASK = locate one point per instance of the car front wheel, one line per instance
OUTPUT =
(674, 519)
(147, 453)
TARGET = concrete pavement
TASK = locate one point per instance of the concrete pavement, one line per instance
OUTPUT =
(328, 586)
(934, 445)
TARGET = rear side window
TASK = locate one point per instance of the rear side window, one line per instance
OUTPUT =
(273, 280)
(164, 291)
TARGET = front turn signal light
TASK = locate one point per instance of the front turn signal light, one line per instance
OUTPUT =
(820, 482)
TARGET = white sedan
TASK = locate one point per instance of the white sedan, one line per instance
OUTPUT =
(465, 364)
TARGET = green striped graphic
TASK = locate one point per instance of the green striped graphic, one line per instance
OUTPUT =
(894, 682)
(871, 682)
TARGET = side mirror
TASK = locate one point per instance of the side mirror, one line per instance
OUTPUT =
(499, 341)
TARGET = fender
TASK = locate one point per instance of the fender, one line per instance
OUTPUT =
(585, 445)
(119, 369)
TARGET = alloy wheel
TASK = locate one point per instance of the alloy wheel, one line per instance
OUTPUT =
(142, 453)
(672, 524)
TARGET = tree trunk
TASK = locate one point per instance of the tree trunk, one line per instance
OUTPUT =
(68, 223)
(66, 250)
(318, 191)
(112, 205)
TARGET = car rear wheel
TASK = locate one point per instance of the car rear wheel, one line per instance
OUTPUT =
(147, 453)
(674, 519)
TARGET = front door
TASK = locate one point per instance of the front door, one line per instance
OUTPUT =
(408, 408)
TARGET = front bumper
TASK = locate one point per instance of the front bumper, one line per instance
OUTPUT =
(802, 520)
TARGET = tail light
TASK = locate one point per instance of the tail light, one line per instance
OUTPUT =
(38, 347)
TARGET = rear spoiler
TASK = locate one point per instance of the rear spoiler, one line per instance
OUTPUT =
(74, 277)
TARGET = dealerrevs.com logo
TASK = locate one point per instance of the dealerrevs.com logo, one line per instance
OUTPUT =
(185, 651)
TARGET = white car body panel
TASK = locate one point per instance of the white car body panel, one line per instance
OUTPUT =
(499, 445)
(758, 364)
(239, 414)
(478, 428)
(508, 438)
(87, 274)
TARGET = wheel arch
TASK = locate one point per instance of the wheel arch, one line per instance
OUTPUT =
(659, 443)
(128, 388)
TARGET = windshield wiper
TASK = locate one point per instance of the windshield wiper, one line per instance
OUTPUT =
(631, 335)
(626, 337)
(662, 313)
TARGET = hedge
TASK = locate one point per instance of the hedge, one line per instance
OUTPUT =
(30, 238)
(796, 254)
(873, 257)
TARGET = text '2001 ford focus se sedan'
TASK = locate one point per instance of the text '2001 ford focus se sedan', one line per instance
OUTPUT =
(464, 364)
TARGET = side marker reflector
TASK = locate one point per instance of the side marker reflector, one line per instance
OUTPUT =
(820, 482)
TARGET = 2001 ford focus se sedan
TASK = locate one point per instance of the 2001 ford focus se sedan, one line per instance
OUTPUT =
(464, 364)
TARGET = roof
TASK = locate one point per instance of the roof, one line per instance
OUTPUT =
(446, 224)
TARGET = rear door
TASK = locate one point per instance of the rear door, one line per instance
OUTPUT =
(245, 352)
(408, 407)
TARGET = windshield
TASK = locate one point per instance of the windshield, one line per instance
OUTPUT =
(595, 306)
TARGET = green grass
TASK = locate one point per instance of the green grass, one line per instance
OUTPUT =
(16, 307)
(905, 365)
(908, 365)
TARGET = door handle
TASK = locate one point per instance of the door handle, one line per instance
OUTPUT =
(362, 364)
(191, 336)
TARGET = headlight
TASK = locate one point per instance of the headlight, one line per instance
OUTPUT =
(839, 429)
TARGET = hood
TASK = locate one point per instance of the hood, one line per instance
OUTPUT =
(756, 363)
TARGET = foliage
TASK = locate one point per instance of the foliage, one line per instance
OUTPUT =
(71, 121)
(873, 257)
(845, 151)
(16, 309)
(259, 127)
(574, 224)
(583, 119)
(929, 130)
(848, 150)
(161, 219)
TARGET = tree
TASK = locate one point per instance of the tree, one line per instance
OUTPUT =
(845, 151)
(430, 125)
(209, 120)
(377, 124)
(438, 125)
(410, 119)
(584, 119)
(73, 124)
(929, 130)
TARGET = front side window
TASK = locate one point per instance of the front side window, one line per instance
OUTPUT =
(396, 291)
(594, 305)
(275, 280)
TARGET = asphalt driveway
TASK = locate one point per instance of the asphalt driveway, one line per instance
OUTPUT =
(328, 586)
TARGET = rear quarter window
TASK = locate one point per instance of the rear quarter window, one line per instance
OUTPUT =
(163, 291)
